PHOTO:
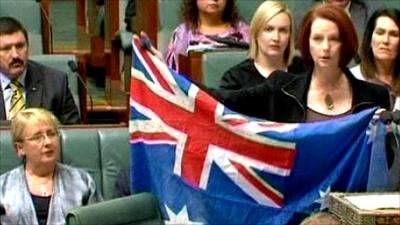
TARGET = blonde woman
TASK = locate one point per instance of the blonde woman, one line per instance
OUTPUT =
(41, 191)
(271, 47)
(328, 42)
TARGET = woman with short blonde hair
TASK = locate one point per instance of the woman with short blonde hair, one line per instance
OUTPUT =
(42, 190)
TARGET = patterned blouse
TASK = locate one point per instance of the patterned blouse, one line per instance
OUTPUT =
(183, 38)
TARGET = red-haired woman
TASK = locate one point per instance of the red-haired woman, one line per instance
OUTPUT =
(328, 42)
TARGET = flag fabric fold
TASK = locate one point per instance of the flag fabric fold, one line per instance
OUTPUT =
(210, 165)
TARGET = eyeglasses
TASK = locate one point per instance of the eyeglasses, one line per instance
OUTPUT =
(40, 137)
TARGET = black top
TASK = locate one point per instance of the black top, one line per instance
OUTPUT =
(283, 97)
(123, 184)
(41, 205)
(245, 74)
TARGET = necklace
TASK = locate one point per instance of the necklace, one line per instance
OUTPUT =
(43, 190)
(41, 187)
(329, 102)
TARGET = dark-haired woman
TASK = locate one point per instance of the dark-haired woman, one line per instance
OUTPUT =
(380, 51)
(203, 18)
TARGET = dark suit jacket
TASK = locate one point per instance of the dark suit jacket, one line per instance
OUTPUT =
(47, 88)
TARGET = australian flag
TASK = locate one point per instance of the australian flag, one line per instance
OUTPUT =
(210, 165)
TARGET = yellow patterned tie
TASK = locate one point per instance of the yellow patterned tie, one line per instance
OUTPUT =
(17, 99)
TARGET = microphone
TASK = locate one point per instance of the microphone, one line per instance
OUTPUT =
(74, 68)
(72, 65)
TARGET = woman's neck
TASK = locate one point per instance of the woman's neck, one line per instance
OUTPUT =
(385, 71)
(210, 24)
(41, 184)
(45, 171)
(329, 79)
(329, 92)
(266, 65)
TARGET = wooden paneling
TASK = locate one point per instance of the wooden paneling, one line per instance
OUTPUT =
(192, 65)
(147, 18)
(46, 28)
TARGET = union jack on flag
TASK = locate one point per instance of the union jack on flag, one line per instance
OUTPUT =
(221, 167)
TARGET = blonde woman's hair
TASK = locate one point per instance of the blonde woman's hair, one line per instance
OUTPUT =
(264, 13)
(28, 117)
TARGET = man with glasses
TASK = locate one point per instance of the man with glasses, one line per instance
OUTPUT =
(24, 83)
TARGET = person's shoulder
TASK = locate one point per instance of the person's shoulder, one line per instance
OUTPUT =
(181, 31)
(11, 173)
(372, 88)
(356, 71)
(242, 23)
(183, 27)
(34, 66)
(284, 75)
(283, 79)
(244, 65)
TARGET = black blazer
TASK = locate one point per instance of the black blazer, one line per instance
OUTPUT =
(245, 74)
(47, 88)
(283, 97)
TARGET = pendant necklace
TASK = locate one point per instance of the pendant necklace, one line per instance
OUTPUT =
(329, 102)
(43, 189)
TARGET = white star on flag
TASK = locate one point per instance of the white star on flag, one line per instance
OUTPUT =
(324, 199)
(182, 217)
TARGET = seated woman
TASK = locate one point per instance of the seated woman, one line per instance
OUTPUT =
(271, 47)
(41, 191)
(328, 42)
(380, 52)
(202, 19)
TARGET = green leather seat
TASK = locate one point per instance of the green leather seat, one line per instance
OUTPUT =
(137, 209)
(115, 150)
(216, 63)
(80, 148)
(8, 155)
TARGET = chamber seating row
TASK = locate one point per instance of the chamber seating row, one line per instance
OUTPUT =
(102, 151)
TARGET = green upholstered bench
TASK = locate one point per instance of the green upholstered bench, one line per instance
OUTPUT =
(137, 209)
(216, 63)
(102, 151)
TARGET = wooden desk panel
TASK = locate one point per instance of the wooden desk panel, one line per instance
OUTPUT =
(192, 65)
